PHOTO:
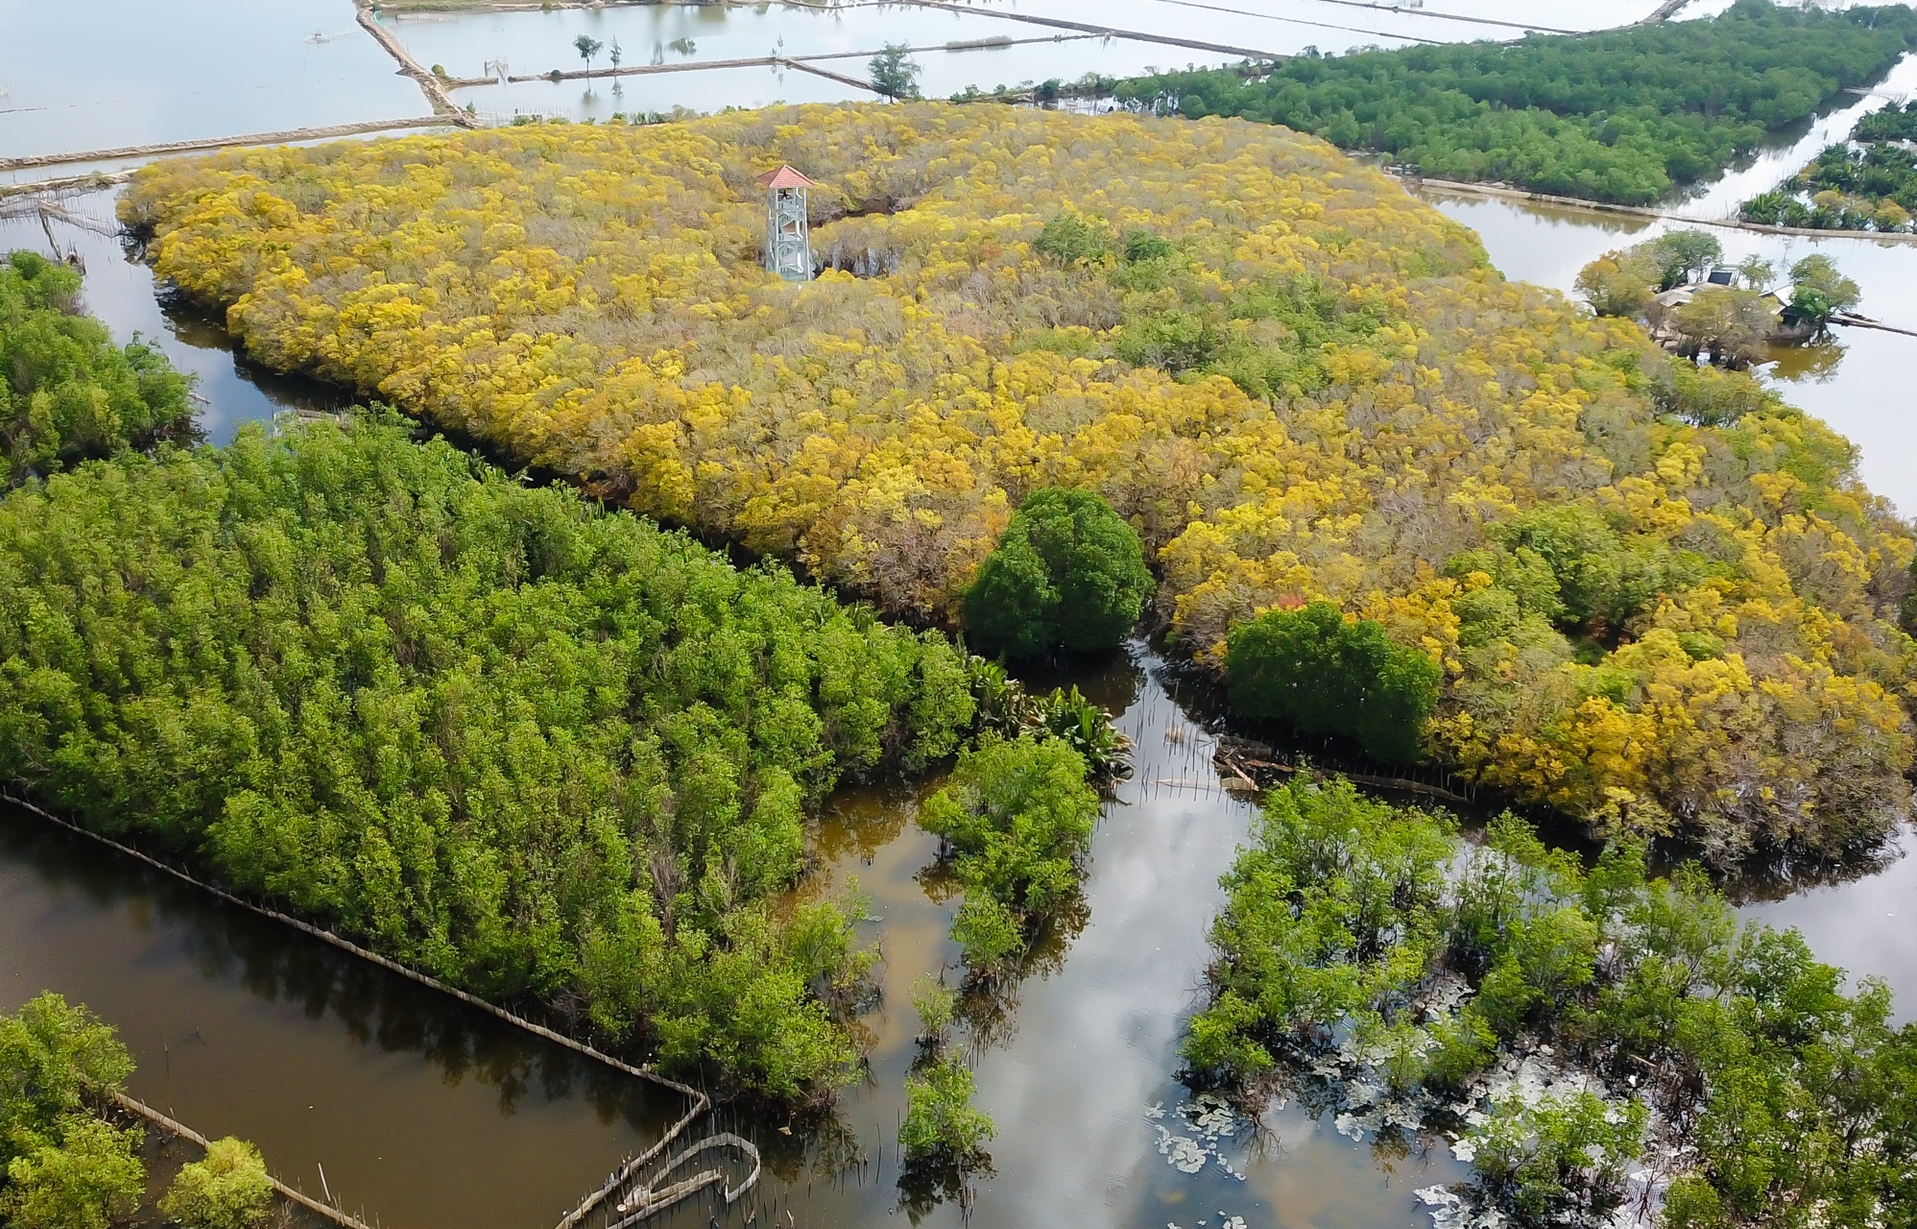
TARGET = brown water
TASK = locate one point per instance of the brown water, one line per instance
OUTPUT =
(422, 1111)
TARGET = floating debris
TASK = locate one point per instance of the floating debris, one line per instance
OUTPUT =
(1212, 1119)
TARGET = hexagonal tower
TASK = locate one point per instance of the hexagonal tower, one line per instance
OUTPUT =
(788, 239)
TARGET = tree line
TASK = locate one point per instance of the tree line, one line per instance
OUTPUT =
(1621, 115)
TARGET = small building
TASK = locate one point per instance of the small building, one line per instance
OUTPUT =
(788, 235)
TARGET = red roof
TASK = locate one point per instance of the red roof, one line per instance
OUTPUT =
(785, 177)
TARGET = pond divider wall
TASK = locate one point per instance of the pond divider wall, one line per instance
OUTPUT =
(285, 136)
(648, 1201)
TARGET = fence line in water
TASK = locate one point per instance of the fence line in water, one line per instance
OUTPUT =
(651, 1202)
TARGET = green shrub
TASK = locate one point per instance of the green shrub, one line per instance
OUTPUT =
(90, 1178)
(1326, 674)
(227, 1190)
(1016, 821)
(1068, 573)
(1363, 947)
(939, 1119)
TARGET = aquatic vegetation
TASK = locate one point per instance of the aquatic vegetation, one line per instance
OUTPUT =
(1619, 115)
(1293, 380)
(1869, 183)
(1584, 1036)
(1015, 827)
(536, 750)
(939, 1119)
(1067, 573)
(67, 393)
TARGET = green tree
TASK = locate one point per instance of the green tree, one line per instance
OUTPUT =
(1016, 821)
(229, 1189)
(67, 393)
(1069, 573)
(1685, 256)
(52, 1055)
(940, 1121)
(1325, 674)
(1073, 239)
(895, 73)
(1820, 289)
(61, 1165)
(934, 1002)
(89, 1179)
(587, 47)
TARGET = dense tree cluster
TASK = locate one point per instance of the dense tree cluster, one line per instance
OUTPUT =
(1565, 1024)
(534, 749)
(1015, 828)
(1870, 185)
(63, 1163)
(1293, 380)
(1326, 674)
(1620, 115)
(1068, 573)
(67, 392)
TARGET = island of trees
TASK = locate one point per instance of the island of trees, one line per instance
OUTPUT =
(1869, 183)
(1586, 1036)
(1622, 115)
(542, 752)
(1654, 597)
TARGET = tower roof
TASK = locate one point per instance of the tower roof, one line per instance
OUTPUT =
(785, 177)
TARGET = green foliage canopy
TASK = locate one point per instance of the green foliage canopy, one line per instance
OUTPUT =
(67, 392)
(1619, 115)
(1356, 940)
(228, 1189)
(61, 1165)
(1069, 573)
(1325, 674)
(1016, 823)
(530, 748)
(940, 1123)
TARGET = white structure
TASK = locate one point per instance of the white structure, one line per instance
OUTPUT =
(788, 237)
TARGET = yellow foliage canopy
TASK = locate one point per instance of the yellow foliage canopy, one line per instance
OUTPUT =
(1329, 394)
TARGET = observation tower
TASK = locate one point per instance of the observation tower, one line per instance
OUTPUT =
(788, 239)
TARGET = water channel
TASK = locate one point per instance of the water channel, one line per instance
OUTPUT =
(424, 1113)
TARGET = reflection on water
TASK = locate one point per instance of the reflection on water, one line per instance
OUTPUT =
(1863, 397)
(421, 1110)
(120, 290)
(242, 1028)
